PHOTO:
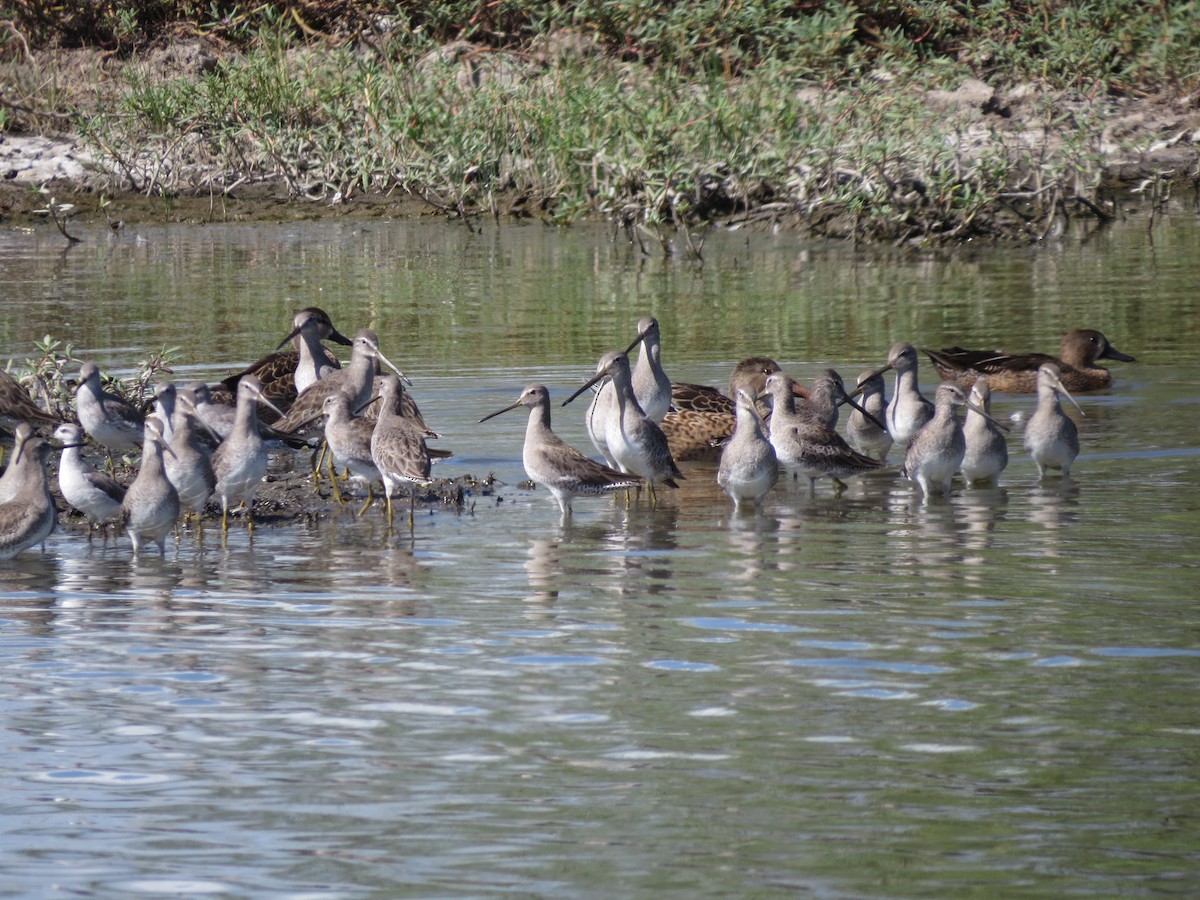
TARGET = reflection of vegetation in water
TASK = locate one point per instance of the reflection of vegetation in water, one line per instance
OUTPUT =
(657, 116)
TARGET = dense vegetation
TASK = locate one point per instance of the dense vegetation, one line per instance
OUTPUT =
(815, 113)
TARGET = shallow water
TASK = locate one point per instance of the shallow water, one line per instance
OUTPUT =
(861, 696)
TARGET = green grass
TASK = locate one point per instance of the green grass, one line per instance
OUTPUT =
(672, 114)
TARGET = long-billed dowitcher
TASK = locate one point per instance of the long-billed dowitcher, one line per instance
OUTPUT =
(398, 448)
(748, 468)
(10, 481)
(311, 326)
(276, 371)
(355, 381)
(703, 417)
(936, 451)
(164, 408)
(909, 409)
(349, 440)
(189, 463)
(17, 406)
(95, 494)
(1051, 438)
(29, 517)
(1017, 373)
(554, 464)
(651, 385)
(804, 443)
(864, 427)
(986, 453)
(636, 443)
(151, 505)
(111, 421)
(240, 462)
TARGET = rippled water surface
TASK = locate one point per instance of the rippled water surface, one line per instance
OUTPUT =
(859, 696)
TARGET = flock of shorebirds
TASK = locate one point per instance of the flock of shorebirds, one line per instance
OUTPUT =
(208, 443)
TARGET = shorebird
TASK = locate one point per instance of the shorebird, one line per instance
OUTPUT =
(398, 448)
(151, 505)
(909, 410)
(111, 421)
(349, 440)
(277, 371)
(556, 465)
(826, 394)
(240, 462)
(355, 381)
(189, 463)
(311, 326)
(1017, 373)
(10, 481)
(749, 468)
(651, 386)
(703, 417)
(164, 408)
(986, 453)
(637, 444)
(217, 418)
(30, 516)
(805, 444)
(1050, 437)
(936, 451)
(95, 494)
(17, 406)
(867, 434)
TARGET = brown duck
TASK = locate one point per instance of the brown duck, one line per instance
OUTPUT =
(1017, 373)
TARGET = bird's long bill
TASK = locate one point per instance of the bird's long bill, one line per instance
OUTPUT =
(846, 398)
(359, 411)
(636, 341)
(979, 409)
(264, 399)
(511, 406)
(391, 365)
(595, 378)
(287, 340)
(1058, 386)
(866, 378)
(338, 338)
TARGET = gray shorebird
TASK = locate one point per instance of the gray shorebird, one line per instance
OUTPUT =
(1051, 438)
(805, 444)
(864, 428)
(651, 385)
(217, 418)
(1017, 373)
(349, 440)
(276, 371)
(986, 454)
(10, 481)
(111, 421)
(909, 409)
(95, 494)
(30, 516)
(189, 463)
(749, 468)
(355, 381)
(151, 505)
(637, 444)
(240, 462)
(556, 465)
(936, 451)
(164, 408)
(398, 448)
(17, 406)
(310, 327)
